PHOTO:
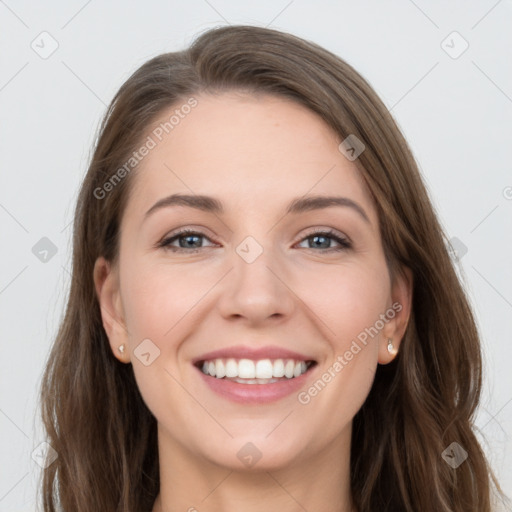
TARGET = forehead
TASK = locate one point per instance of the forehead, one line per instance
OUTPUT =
(249, 151)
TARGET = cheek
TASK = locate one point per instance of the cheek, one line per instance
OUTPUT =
(348, 299)
(350, 304)
(159, 301)
(158, 297)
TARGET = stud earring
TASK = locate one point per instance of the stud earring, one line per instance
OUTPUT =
(121, 348)
(390, 346)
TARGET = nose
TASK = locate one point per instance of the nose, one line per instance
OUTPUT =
(257, 291)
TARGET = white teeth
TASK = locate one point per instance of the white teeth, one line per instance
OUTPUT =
(288, 369)
(278, 370)
(246, 369)
(231, 368)
(254, 372)
(220, 369)
(299, 369)
(264, 369)
(254, 381)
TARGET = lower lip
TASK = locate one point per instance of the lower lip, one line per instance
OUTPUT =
(256, 393)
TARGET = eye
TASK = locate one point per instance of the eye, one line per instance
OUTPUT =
(322, 240)
(188, 241)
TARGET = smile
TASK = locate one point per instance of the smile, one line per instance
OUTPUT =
(247, 371)
(255, 381)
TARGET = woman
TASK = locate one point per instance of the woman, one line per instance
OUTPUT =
(263, 313)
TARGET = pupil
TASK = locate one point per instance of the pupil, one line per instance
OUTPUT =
(189, 238)
(319, 237)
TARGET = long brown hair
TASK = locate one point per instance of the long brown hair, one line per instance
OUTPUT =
(93, 413)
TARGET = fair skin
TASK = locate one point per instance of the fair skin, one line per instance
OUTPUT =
(255, 155)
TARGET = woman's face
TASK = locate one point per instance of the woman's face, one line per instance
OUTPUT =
(253, 282)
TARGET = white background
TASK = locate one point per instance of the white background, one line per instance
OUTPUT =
(455, 112)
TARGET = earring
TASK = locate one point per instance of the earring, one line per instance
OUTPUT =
(121, 348)
(390, 346)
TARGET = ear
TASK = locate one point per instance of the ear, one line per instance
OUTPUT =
(398, 314)
(106, 282)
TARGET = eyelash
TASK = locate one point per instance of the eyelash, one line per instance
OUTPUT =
(343, 242)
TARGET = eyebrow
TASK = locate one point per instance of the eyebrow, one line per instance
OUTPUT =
(212, 205)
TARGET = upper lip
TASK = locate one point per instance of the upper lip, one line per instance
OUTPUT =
(256, 354)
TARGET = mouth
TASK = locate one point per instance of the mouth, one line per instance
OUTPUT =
(248, 371)
(255, 381)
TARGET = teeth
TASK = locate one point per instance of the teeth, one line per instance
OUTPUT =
(254, 381)
(264, 369)
(278, 370)
(254, 372)
(220, 369)
(231, 368)
(246, 369)
(288, 369)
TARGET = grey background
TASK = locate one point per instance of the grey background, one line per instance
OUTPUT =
(455, 111)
